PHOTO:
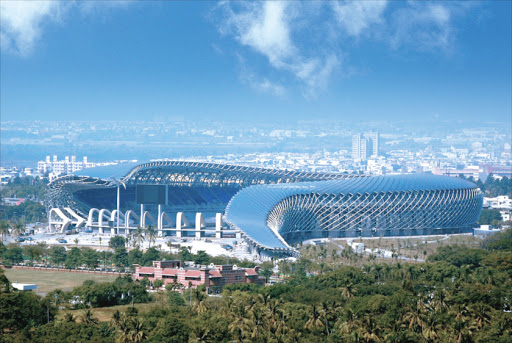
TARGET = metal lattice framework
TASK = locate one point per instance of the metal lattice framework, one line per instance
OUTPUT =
(185, 175)
(272, 216)
(182, 173)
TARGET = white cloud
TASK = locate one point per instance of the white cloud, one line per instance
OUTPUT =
(267, 31)
(267, 28)
(306, 40)
(357, 16)
(422, 26)
(270, 87)
(21, 22)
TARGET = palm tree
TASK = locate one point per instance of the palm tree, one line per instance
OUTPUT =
(258, 322)
(273, 314)
(481, 315)
(348, 291)
(347, 326)
(369, 329)
(137, 333)
(4, 229)
(239, 326)
(139, 234)
(326, 313)
(440, 301)
(315, 319)
(201, 334)
(377, 268)
(88, 318)
(17, 227)
(152, 232)
(430, 326)
(122, 326)
(200, 304)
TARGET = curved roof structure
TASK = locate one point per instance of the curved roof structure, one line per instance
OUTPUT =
(211, 174)
(109, 172)
(196, 186)
(273, 215)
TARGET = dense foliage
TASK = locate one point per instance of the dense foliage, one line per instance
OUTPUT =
(458, 295)
(493, 187)
(33, 191)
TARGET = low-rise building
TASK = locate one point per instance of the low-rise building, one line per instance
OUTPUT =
(214, 277)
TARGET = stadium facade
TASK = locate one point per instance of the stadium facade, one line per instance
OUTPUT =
(192, 186)
(276, 208)
(275, 216)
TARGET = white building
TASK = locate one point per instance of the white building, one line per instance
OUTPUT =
(501, 202)
(66, 166)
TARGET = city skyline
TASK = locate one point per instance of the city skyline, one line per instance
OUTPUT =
(235, 61)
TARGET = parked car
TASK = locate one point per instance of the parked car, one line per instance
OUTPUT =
(20, 239)
(62, 240)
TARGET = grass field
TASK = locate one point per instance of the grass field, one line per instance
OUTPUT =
(47, 281)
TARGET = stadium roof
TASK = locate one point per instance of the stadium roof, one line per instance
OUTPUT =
(109, 172)
(248, 210)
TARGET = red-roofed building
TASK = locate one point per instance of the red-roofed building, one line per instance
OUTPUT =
(213, 277)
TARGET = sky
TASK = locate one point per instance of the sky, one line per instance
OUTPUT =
(291, 60)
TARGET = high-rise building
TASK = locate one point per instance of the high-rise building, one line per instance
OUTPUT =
(365, 145)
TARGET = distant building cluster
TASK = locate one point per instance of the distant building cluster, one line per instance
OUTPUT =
(365, 146)
(60, 167)
(191, 276)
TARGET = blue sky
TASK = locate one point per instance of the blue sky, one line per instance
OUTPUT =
(366, 60)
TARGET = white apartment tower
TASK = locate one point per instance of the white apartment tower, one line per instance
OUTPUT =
(365, 145)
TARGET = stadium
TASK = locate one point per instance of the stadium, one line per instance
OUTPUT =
(275, 216)
(272, 209)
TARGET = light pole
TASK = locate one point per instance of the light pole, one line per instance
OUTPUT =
(119, 183)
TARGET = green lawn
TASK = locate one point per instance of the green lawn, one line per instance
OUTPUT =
(47, 281)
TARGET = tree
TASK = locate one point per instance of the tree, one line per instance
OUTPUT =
(34, 252)
(158, 283)
(151, 232)
(23, 310)
(139, 234)
(58, 255)
(73, 258)
(149, 256)
(314, 319)
(499, 241)
(202, 258)
(116, 242)
(88, 318)
(172, 329)
(4, 229)
(13, 254)
(121, 257)
(90, 257)
(266, 270)
(135, 256)
(17, 227)
(185, 254)
(488, 215)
